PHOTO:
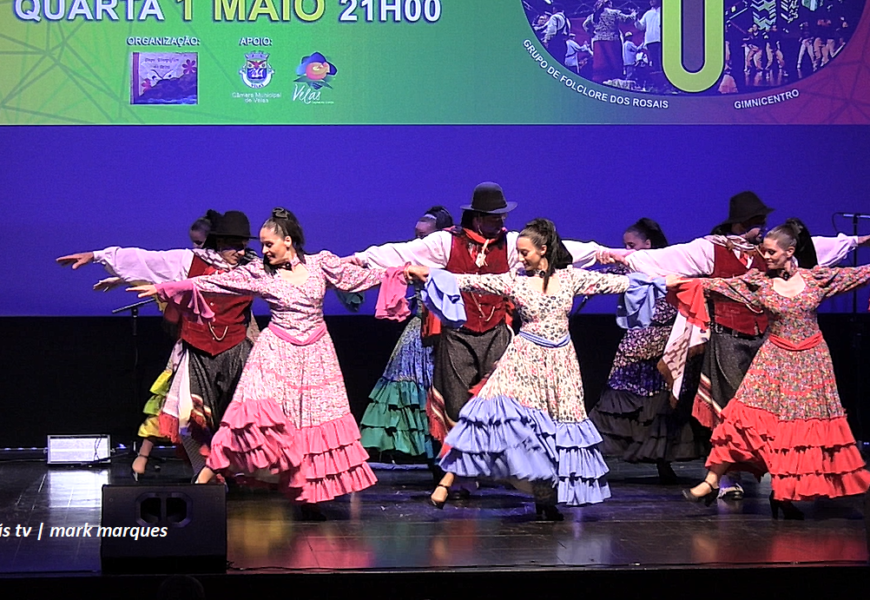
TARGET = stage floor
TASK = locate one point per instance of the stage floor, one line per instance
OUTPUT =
(392, 526)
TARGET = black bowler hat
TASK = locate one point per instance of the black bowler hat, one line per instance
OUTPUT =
(488, 198)
(232, 223)
(744, 207)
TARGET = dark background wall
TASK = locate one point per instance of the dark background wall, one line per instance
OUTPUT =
(76, 375)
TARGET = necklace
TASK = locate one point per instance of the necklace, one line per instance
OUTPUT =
(781, 273)
(291, 264)
(537, 273)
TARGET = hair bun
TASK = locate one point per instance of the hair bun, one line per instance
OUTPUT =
(280, 213)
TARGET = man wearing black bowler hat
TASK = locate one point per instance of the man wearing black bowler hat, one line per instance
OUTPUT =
(480, 244)
(213, 354)
(737, 330)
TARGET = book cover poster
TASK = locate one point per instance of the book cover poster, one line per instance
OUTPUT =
(163, 78)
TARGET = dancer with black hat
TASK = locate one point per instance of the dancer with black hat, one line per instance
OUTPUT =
(738, 330)
(213, 354)
(786, 417)
(480, 245)
(527, 424)
(289, 422)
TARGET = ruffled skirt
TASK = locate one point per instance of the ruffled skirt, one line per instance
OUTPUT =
(643, 428)
(500, 438)
(150, 427)
(290, 419)
(806, 459)
(395, 419)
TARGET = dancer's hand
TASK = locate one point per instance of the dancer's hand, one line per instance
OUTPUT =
(672, 281)
(144, 291)
(109, 283)
(416, 273)
(77, 260)
(608, 256)
(864, 240)
(354, 260)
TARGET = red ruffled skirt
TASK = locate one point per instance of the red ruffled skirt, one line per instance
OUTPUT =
(806, 458)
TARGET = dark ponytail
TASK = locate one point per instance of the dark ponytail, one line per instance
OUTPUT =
(443, 218)
(542, 232)
(650, 230)
(285, 224)
(793, 233)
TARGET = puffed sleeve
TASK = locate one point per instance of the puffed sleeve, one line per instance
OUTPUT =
(187, 294)
(432, 251)
(241, 281)
(348, 277)
(500, 285)
(153, 266)
(743, 289)
(587, 283)
(838, 280)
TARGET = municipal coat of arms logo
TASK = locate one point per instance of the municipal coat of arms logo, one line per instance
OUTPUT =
(257, 73)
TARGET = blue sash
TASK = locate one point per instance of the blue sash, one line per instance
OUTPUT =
(536, 339)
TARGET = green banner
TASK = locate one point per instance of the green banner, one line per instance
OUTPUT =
(427, 62)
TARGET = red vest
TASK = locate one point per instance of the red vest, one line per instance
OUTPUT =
(483, 311)
(728, 313)
(230, 325)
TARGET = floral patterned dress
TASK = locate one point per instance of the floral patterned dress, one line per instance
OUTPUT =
(528, 421)
(290, 415)
(633, 414)
(786, 417)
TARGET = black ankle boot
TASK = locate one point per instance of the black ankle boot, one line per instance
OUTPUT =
(548, 512)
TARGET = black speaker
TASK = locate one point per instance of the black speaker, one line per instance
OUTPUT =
(163, 529)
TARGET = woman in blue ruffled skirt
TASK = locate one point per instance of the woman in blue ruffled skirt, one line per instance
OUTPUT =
(528, 423)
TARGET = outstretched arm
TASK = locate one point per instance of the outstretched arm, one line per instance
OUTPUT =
(135, 264)
(587, 283)
(348, 277)
(831, 251)
(431, 251)
(694, 259)
(845, 279)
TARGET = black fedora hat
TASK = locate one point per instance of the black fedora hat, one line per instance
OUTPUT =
(488, 198)
(233, 223)
(744, 207)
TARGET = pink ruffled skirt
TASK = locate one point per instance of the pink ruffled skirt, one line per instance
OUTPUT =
(290, 418)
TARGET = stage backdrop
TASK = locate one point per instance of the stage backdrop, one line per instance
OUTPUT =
(433, 62)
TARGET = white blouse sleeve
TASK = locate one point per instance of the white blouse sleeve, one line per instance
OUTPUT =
(431, 251)
(135, 264)
(694, 259)
(832, 250)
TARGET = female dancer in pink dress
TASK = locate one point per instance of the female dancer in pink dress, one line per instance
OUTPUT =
(290, 415)
(786, 418)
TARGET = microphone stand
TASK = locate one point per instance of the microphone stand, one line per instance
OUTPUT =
(134, 314)
(858, 349)
(857, 342)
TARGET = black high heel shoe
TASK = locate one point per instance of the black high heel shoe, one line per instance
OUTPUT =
(789, 511)
(708, 498)
(548, 512)
(439, 504)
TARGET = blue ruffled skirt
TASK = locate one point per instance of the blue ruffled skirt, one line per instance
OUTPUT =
(500, 438)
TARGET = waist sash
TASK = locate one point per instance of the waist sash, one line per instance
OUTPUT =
(810, 342)
(313, 337)
(536, 339)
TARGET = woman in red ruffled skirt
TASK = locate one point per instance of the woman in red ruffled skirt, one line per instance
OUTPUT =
(786, 418)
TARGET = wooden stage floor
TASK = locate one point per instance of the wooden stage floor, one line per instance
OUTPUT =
(391, 528)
